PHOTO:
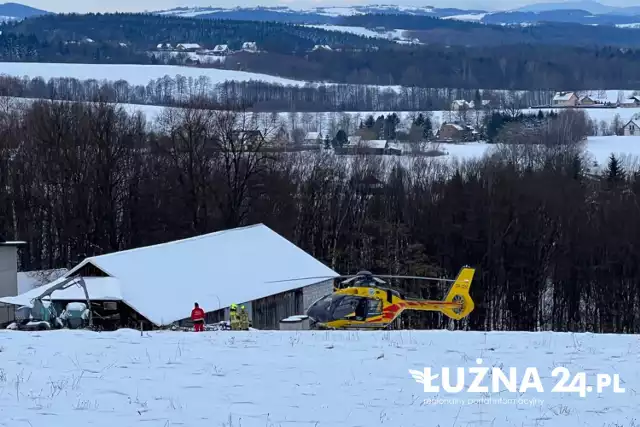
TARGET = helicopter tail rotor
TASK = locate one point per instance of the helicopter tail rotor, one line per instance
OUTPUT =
(459, 293)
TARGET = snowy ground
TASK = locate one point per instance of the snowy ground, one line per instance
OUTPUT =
(626, 148)
(315, 379)
(134, 74)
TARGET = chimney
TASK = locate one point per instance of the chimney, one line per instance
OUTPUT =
(8, 276)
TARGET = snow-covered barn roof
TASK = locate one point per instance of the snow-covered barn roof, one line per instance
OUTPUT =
(162, 282)
(189, 46)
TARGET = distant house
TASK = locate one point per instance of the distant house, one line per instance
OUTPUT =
(321, 47)
(249, 47)
(188, 47)
(631, 102)
(457, 132)
(313, 138)
(373, 147)
(164, 46)
(451, 131)
(586, 100)
(631, 129)
(221, 50)
(565, 99)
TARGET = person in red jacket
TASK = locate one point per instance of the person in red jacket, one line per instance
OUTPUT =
(197, 315)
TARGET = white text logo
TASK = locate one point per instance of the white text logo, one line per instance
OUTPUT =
(484, 379)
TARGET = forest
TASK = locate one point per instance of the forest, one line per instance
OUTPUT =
(142, 32)
(464, 58)
(553, 241)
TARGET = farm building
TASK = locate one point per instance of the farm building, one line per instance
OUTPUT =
(158, 285)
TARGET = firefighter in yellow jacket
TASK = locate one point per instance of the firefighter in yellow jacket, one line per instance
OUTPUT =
(234, 318)
(243, 317)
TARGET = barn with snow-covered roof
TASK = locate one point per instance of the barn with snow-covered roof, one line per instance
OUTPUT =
(159, 284)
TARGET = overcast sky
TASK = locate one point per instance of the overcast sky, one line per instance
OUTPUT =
(82, 6)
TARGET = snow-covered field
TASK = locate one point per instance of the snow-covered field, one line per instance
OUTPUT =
(600, 148)
(306, 379)
(134, 74)
(397, 35)
(472, 17)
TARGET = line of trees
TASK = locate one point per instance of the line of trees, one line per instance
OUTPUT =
(261, 96)
(554, 245)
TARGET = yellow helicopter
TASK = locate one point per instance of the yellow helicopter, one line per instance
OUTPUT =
(360, 303)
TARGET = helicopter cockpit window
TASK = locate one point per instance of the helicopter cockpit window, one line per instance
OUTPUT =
(375, 307)
(345, 306)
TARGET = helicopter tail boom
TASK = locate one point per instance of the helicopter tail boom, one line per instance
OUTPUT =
(459, 293)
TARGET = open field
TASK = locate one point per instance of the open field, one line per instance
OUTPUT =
(134, 74)
(303, 379)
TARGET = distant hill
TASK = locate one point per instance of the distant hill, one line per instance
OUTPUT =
(19, 11)
(315, 15)
(590, 6)
(455, 54)
(572, 16)
(579, 12)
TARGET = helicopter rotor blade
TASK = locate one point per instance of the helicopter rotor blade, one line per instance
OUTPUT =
(390, 276)
(309, 278)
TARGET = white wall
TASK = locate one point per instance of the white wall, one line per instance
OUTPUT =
(8, 280)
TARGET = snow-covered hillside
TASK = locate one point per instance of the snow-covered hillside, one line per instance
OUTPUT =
(399, 36)
(134, 74)
(309, 379)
